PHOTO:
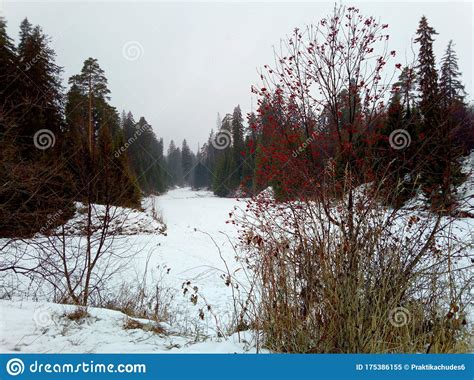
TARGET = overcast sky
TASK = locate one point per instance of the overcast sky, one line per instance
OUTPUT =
(197, 59)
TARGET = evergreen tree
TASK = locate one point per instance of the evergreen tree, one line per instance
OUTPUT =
(451, 88)
(40, 90)
(426, 71)
(174, 165)
(407, 84)
(249, 163)
(25, 32)
(34, 181)
(9, 110)
(145, 153)
(92, 85)
(186, 162)
(96, 124)
(237, 145)
(223, 185)
(439, 167)
(200, 174)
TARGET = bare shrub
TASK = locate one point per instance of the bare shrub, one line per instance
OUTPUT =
(133, 324)
(397, 282)
(78, 259)
(77, 314)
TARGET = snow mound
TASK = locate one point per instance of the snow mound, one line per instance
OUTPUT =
(123, 221)
(47, 327)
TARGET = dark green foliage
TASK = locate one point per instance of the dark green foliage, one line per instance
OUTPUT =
(187, 163)
(39, 89)
(440, 169)
(35, 182)
(94, 130)
(224, 184)
(174, 166)
(145, 154)
(451, 88)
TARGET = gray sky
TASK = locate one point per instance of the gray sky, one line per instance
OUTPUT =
(197, 59)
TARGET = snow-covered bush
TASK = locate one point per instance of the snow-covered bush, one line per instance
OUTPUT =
(364, 279)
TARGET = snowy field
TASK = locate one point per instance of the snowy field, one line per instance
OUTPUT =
(186, 253)
(196, 251)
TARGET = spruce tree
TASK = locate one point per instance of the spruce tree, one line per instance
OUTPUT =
(35, 180)
(438, 163)
(237, 145)
(9, 109)
(186, 162)
(426, 71)
(40, 88)
(174, 165)
(451, 88)
(407, 84)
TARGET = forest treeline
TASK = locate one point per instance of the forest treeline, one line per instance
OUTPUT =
(411, 145)
(61, 146)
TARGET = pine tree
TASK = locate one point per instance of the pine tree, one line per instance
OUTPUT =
(92, 84)
(96, 124)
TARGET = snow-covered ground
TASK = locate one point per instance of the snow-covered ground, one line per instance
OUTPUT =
(196, 251)
(46, 328)
(196, 248)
